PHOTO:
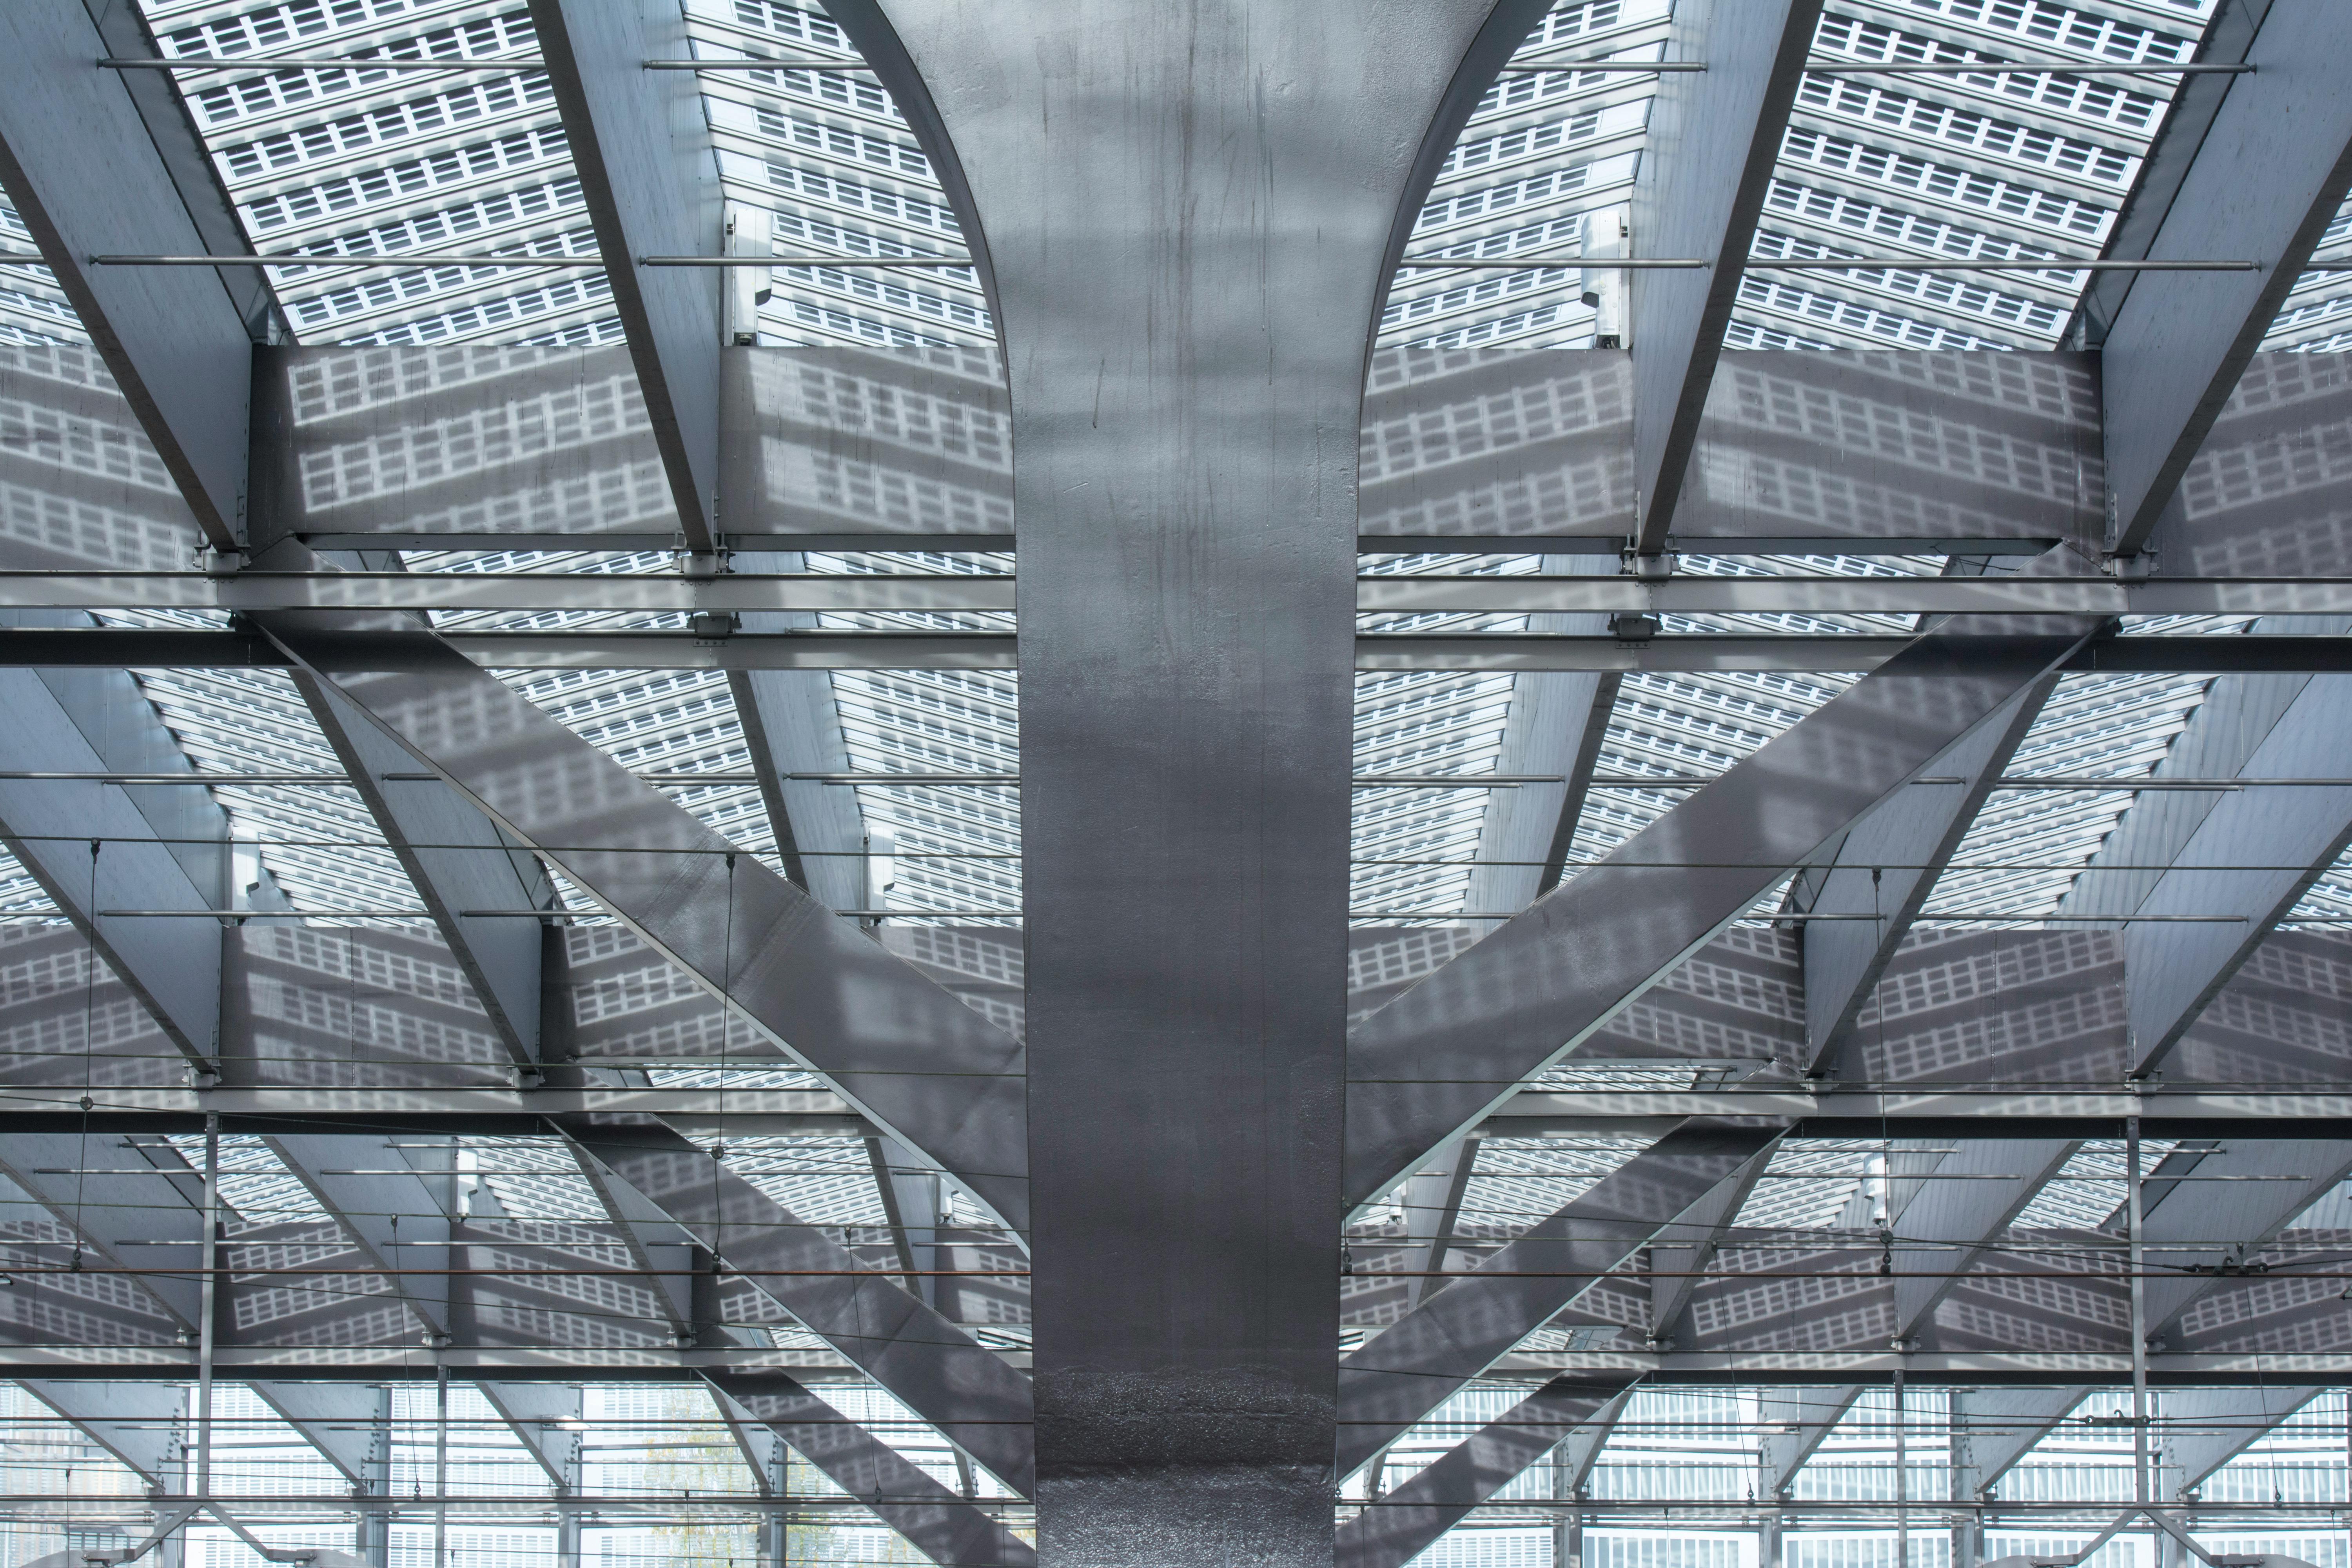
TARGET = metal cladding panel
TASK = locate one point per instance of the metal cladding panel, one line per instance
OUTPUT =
(350, 1006)
(943, 1527)
(2270, 492)
(80, 485)
(85, 176)
(2285, 1017)
(468, 439)
(1923, 445)
(1187, 300)
(1395, 1529)
(907, 1053)
(1488, 443)
(1409, 1370)
(2008, 1006)
(820, 441)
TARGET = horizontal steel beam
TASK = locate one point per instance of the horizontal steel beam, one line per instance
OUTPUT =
(742, 592)
(406, 1364)
(2178, 1111)
(1507, 651)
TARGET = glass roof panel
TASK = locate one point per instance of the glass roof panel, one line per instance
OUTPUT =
(1981, 166)
(1544, 155)
(349, 162)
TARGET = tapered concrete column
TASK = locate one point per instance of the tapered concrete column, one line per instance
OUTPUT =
(1188, 209)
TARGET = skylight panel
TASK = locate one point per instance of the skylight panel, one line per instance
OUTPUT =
(831, 161)
(349, 162)
(1542, 154)
(33, 309)
(1966, 166)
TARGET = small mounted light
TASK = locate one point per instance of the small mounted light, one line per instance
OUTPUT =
(1631, 627)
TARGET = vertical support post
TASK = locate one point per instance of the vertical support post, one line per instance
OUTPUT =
(2139, 1312)
(1772, 1550)
(567, 1533)
(1902, 1479)
(1561, 1526)
(441, 1465)
(375, 1543)
(206, 1262)
(1968, 1524)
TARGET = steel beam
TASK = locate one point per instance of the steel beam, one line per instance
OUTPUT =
(1188, 272)
(904, 1051)
(137, 1422)
(943, 1527)
(641, 148)
(1390, 1531)
(2285, 726)
(937, 1368)
(337, 1419)
(1961, 1207)
(371, 1207)
(1677, 1264)
(2269, 175)
(1554, 729)
(2004, 1424)
(466, 865)
(136, 1207)
(1794, 1422)
(1911, 831)
(1714, 136)
(549, 1419)
(2163, 167)
(1446, 1052)
(2274, 1182)
(767, 586)
(2233, 1419)
(118, 649)
(1414, 1366)
(84, 174)
(1433, 1203)
(94, 846)
(793, 726)
(1582, 1449)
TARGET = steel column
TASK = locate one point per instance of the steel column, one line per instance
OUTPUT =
(1189, 212)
